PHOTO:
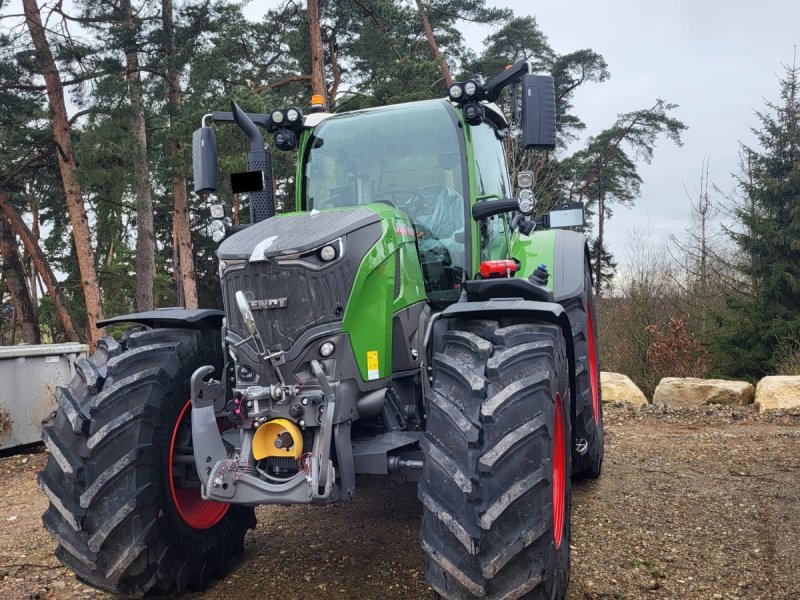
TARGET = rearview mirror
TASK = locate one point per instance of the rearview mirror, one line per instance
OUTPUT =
(538, 112)
(570, 215)
(204, 160)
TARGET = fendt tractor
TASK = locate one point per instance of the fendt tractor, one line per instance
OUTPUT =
(413, 320)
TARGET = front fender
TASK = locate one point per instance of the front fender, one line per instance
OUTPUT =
(198, 318)
(505, 308)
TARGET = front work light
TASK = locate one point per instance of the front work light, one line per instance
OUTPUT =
(455, 92)
(526, 201)
(217, 230)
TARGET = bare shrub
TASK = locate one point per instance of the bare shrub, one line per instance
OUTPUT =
(644, 296)
(675, 353)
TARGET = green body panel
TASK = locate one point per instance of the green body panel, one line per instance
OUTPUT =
(372, 303)
(534, 250)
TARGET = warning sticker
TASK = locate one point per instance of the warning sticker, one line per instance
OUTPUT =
(372, 365)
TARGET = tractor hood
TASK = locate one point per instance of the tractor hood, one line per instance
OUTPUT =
(293, 234)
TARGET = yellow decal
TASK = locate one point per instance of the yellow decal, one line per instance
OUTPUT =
(372, 365)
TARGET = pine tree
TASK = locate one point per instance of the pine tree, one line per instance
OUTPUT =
(765, 314)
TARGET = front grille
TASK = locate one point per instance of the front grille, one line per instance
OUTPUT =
(312, 298)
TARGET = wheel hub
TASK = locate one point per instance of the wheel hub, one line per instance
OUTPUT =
(193, 509)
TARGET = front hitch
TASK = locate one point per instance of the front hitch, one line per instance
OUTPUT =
(231, 479)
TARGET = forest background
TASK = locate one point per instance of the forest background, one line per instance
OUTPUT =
(98, 100)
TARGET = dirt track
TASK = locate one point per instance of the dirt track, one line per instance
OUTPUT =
(694, 504)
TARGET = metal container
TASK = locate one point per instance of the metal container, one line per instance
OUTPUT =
(29, 376)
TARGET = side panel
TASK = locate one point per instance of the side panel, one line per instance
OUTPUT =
(564, 252)
(534, 250)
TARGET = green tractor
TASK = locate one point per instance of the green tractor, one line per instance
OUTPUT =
(410, 321)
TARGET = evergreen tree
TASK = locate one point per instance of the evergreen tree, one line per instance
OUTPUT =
(600, 255)
(765, 315)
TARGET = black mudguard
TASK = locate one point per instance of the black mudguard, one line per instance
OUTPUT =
(198, 318)
(570, 253)
(510, 308)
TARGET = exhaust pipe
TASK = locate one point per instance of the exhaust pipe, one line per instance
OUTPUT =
(262, 202)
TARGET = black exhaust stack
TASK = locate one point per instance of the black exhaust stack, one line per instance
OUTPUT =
(262, 203)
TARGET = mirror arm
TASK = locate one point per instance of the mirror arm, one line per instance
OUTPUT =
(482, 210)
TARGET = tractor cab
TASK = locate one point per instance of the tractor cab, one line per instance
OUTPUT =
(411, 157)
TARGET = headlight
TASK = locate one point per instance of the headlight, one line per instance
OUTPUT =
(327, 253)
(292, 115)
(230, 265)
(470, 88)
(455, 91)
(326, 349)
(217, 211)
(276, 117)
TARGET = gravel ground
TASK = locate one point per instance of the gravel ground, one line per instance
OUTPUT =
(693, 503)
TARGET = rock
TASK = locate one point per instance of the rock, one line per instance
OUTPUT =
(778, 392)
(690, 391)
(617, 387)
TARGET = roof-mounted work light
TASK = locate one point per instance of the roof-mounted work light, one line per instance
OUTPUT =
(286, 123)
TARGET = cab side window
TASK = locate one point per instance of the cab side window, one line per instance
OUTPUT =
(491, 179)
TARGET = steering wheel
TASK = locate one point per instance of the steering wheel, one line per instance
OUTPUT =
(393, 200)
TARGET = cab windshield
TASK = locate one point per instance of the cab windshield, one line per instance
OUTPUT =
(408, 156)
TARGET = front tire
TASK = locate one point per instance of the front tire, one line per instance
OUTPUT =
(496, 479)
(125, 520)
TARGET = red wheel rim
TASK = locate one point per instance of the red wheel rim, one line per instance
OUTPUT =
(559, 473)
(196, 512)
(592, 364)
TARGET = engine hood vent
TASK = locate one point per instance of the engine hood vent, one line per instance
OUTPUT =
(294, 234)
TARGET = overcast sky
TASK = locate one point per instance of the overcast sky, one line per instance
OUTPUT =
(716, 59)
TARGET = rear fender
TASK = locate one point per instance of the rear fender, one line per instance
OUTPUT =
(505, 308)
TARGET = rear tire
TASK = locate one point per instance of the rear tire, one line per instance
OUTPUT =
(589, 401)
(496, 479)
(108, 477)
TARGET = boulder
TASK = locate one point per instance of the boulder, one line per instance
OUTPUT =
(691, 391)
(617, 387)
(778, 392)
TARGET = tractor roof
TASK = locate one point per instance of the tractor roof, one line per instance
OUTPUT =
(314, 119)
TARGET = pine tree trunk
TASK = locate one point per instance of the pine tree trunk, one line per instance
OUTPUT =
(598, 278)
(426, 25)
(32, 263)
(145, 235)
(17, 286)
(186, 278)
(67, 165)
(317, 51)
(20, 229)
(15, 280)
